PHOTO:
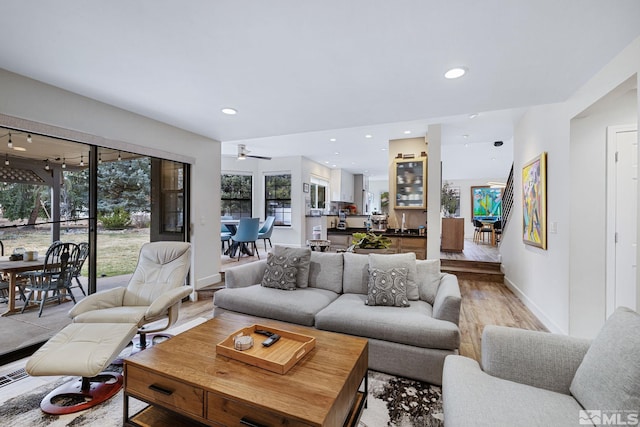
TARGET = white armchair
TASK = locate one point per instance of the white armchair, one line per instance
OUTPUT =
(154, 292)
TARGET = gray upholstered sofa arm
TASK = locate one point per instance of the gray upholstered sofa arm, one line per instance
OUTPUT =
(539, 359)
(447, 303)
(245, 274)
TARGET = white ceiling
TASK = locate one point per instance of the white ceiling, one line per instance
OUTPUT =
(301, 72)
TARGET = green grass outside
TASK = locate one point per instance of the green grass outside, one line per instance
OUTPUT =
(117, 251)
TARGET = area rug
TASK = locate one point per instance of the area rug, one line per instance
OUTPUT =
(392, 402)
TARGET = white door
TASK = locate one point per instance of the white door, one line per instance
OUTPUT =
(622, 189)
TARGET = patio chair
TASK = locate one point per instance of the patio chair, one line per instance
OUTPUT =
(55, 276)
(155, 292)
(84, 252)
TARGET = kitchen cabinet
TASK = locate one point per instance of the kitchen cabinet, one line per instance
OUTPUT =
(341, 184)
(452, 235)
(410, 183)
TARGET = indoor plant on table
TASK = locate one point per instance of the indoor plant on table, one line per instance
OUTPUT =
(363, 243)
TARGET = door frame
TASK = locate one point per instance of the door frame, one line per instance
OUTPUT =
(611, 185)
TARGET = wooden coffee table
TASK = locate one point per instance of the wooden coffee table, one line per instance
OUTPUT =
(183, 380)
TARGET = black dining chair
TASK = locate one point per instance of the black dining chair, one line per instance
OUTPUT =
(497, 229)
(480, 231)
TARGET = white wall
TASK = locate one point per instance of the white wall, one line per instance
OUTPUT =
(543, 279)
(588, 148)
(36, 102)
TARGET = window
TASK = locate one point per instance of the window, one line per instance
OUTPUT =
(235, 196)
(318, 193)
(277, 198)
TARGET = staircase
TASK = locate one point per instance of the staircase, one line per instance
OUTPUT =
(473, 270)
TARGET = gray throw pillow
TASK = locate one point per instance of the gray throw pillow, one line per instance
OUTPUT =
(355, 275)
(280, 273)
(301, 257)
(609, 375)
(387, 287)
(325, 271)
(428, 271)
(406, 260)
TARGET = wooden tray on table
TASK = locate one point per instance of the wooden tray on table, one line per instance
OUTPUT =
(279, 357)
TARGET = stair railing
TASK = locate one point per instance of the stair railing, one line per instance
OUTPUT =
(507, 199)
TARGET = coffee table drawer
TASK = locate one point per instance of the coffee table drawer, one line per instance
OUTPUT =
(230, 413)
(165, 391)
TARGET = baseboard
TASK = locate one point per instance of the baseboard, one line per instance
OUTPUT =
(208, 281)
(537, 311)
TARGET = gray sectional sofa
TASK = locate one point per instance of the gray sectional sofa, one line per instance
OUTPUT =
(531, 378)
(410, 341)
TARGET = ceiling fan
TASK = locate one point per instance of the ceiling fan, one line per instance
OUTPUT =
(243, 153)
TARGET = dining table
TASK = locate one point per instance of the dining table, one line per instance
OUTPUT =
(12, 269)
(490, 223)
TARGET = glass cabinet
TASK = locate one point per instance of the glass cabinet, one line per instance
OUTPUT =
(410, 178)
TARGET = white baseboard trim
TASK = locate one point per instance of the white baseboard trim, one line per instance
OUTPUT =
(207, 281)
(548, 323)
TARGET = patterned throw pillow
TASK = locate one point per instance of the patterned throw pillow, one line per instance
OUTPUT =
(301, 257)
(388, 287)
(281, 272)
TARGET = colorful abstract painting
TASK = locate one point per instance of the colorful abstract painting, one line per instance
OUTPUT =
(534, 202)
(486, 202)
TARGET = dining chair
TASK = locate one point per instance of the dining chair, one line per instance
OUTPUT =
(265, 231)
(480, 231)
(497, 229)
(225, 233)
(84, 252)
(247, 233)
(54, 277)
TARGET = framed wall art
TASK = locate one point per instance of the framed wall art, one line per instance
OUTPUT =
(534, 202)
(486, 203)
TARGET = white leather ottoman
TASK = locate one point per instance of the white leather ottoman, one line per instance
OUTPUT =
(83, 349)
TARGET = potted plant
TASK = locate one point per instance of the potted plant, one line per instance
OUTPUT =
(370, 242)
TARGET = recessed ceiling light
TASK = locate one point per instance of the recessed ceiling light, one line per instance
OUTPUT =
(229, 111)
(465, 136)
(332, 140)
(383, 149)
(19, 149)
(455, 73)
(407, 132)
(333, 166)
(466, 145)
(493, 158)
(368, 136)
(337, 153)
(473, 116)
(326, 162)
